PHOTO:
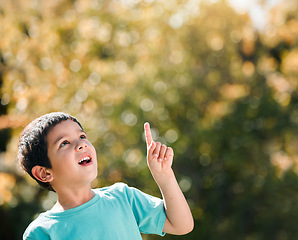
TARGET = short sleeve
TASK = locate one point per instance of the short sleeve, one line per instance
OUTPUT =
(148, 210)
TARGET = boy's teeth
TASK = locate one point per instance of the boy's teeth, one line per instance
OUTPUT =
(84, 159)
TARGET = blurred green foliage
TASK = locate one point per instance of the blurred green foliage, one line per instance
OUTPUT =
(218, 91)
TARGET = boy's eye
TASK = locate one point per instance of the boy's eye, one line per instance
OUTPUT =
(83, 136)
(63, 143)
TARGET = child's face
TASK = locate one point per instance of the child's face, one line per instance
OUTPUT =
(72, 156)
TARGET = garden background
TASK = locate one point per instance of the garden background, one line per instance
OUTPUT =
(217, 82)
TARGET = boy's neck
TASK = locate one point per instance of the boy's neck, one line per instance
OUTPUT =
(71, 199)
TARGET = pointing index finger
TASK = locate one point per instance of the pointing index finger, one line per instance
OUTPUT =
(148, 134)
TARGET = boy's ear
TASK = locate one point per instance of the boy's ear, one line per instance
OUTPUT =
(42, 174)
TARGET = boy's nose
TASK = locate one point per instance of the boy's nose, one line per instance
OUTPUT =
(81, 146)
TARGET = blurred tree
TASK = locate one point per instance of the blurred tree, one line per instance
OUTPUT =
(223, 95)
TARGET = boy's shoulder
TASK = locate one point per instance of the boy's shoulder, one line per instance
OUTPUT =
(35, 228)
(121, 190)
(116, 187)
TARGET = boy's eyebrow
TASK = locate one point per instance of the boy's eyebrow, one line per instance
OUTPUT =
(58, 139)
(63, 136)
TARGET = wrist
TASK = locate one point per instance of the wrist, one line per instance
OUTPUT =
(164, 177)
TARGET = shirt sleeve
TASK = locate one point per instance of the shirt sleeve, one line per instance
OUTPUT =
(34, 232)
(149, 211)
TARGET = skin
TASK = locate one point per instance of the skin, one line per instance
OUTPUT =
(68, 144)
(159, 159)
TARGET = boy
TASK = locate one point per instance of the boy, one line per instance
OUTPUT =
(55, 151)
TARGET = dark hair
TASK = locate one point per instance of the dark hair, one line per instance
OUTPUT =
(32, 147)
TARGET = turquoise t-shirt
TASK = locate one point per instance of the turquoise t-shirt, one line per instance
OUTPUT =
(115, 212)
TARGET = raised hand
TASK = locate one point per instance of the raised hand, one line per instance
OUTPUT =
(159, 156)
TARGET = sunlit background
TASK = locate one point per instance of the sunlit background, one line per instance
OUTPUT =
(216, 79)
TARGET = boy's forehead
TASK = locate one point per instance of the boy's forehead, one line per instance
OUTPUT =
(62, 129)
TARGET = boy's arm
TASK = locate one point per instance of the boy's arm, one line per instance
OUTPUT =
(159, 158)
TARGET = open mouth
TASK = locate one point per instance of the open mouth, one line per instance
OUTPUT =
(85, 161)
